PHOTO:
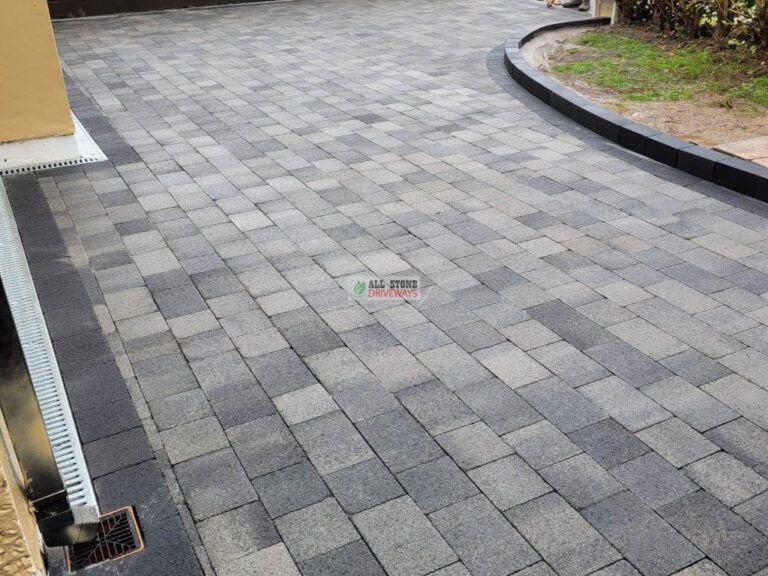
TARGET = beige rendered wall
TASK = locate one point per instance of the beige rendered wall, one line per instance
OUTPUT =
(33, 101)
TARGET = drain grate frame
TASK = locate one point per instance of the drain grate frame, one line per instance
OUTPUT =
(118, 535)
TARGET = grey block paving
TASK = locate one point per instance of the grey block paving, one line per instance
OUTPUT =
(588, 355)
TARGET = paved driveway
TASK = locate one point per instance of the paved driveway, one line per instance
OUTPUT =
(582, 387)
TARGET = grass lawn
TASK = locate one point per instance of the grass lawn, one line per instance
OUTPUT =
(652, 69)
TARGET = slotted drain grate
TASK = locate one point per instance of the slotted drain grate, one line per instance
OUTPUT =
(118, 535)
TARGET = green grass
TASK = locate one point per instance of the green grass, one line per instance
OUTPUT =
(646, 72)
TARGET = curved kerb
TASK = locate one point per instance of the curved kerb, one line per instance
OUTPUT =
(734, 173)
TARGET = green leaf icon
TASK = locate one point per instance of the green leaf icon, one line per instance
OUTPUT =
(359, 288)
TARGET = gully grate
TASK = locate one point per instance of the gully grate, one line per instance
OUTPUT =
(118, 535)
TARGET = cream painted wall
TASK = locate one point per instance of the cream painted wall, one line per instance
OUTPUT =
(33, 100)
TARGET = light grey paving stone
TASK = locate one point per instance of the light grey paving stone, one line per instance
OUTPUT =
(436, 484)
(163, 376)
(473, 445)
(702, 568)
(565, 540)
(264, 445)
(422, 337)
(744, 440)
(726, 478)
(214, 483)
(563, 406)
(684, 327)
(450, 315)
(484, 540)
(628, 363)
(571, 365)
(193, 439)
(499, 406)
(642, 537)
(368, 339)
(453, 366)
(363, 486)
(511, 365)
(654, 480)
(538, 569)
(647, 338)
(291, 488)
(237, 533)
(605, 312)
(530, 334)
(399, 440)
(722, 535)
(541, 444)
(621, 568)
(627, 406)
(272, 561)
(335, 368)
(241, 407)
(694, 407)
(457, 569)
(331, 442)
(608, 443)
(677, 442)
(749, 363)
(354, 559)
(743, 396)
(206, 345)
(180, 409)
(397, 368)
(581, 481)
(509, 482)
(304, 404)
(403, 540)
(316, 529)
(755, 511)
(436, 408)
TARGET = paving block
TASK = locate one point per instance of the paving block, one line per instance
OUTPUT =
(563, 406)
(627, 406)
(290, 489)
(363, 486)
(726, 478)
(436, 407)
(499, 406)
(677, 442)
(654, 480)
(473, 445)
(581, 481)
(541, 444)
(436, 484)
(608, 443)
(316, 529)
(509, 482)
(331, 442)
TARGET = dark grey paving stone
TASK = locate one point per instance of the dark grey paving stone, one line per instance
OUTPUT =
(654, 480)
(116, 452)
(437, 484)
(364, 398)
(450, 315)
(164, 376)
(743, 439)
(755, 511)
(290, 489)
(111, 418)
(628, 363)
(483, 538)
(399, 440)
(280, 372)
(621, 568)
(96, 385)
(647, 541)
(565, 540)
(243, 406)
(499, 406)
(353, 559)
(207, 346)
(81, 350)
(436, 407)
(570, 325)
(179, 301)
(332, 443)
(237, 532)
(363, 486)
(500, 278)
(722, 535)
(475, 336)
(311, 338)
(264, 445)
(368, 339)
(215, 283)
(695, 367)
(563, 406)
(609, 443)
(214, 483)
(581, 481)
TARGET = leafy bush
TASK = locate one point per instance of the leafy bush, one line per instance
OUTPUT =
(733, 23)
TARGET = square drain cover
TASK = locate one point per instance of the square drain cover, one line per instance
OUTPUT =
(118, 535)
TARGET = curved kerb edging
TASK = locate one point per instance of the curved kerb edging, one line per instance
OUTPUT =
(738, 175)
